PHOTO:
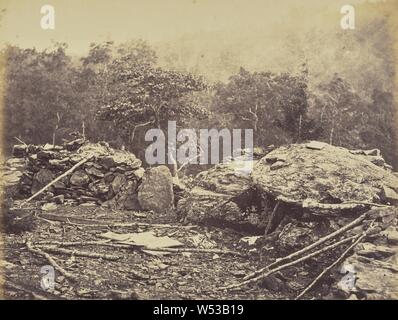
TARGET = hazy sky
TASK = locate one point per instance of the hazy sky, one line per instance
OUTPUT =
(80, 22)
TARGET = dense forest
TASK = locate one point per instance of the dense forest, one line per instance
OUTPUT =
(118, 91)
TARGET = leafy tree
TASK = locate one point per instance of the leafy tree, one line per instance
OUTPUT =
(40, 89)
(150, 96)
(350, 121)
(380, 129)
(341, 113)
(273, 105)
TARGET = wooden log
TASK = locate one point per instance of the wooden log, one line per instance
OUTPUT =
(311, 204)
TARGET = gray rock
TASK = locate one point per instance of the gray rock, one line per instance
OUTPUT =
(118, 182)
(59, 185)
(122, 159)
(79, 178)
(293, 237)
(315, 145)
(391, 234)
(41, 179)
(19, 150)
(371, 250)
(330, 175)
(278, 165)
(223, 178)
(156, 190)
(60, 199)
(92, 171)
(99, 188)
(250, 242)
(373, 279)
(131, 203)
(219, 196)
(139, 173)
(108, 177)
(127, 198)
(59, 164)
(390, 195)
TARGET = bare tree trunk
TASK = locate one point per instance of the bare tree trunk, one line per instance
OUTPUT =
(56, 128)
(84, 130)
(299, 128)
(331, 136)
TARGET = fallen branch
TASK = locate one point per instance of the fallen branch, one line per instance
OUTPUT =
(292, 263)
(74, 243)
(330, 236)
(132, 246)
(311, 204)
(77, 165)
(19, 140)
(87, 254)
(98, 223)
(337, 261)
(50, 259)
(349, 205)
(194, 250)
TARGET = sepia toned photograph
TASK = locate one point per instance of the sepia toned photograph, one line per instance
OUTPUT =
(197, 150)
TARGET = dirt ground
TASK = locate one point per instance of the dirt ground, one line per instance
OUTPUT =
(139, 275)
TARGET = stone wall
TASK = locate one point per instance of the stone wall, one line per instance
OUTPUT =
(110, 178)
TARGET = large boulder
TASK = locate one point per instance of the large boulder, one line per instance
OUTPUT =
(225, 178)
(156, 190)
(325, 174)
(313, 176)
(221, 195)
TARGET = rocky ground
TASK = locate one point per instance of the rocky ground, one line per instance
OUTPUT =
(141, 274)
(312, 221)
(137, 275)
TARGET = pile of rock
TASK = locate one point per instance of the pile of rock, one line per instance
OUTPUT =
(110, 177)
(224, 196)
